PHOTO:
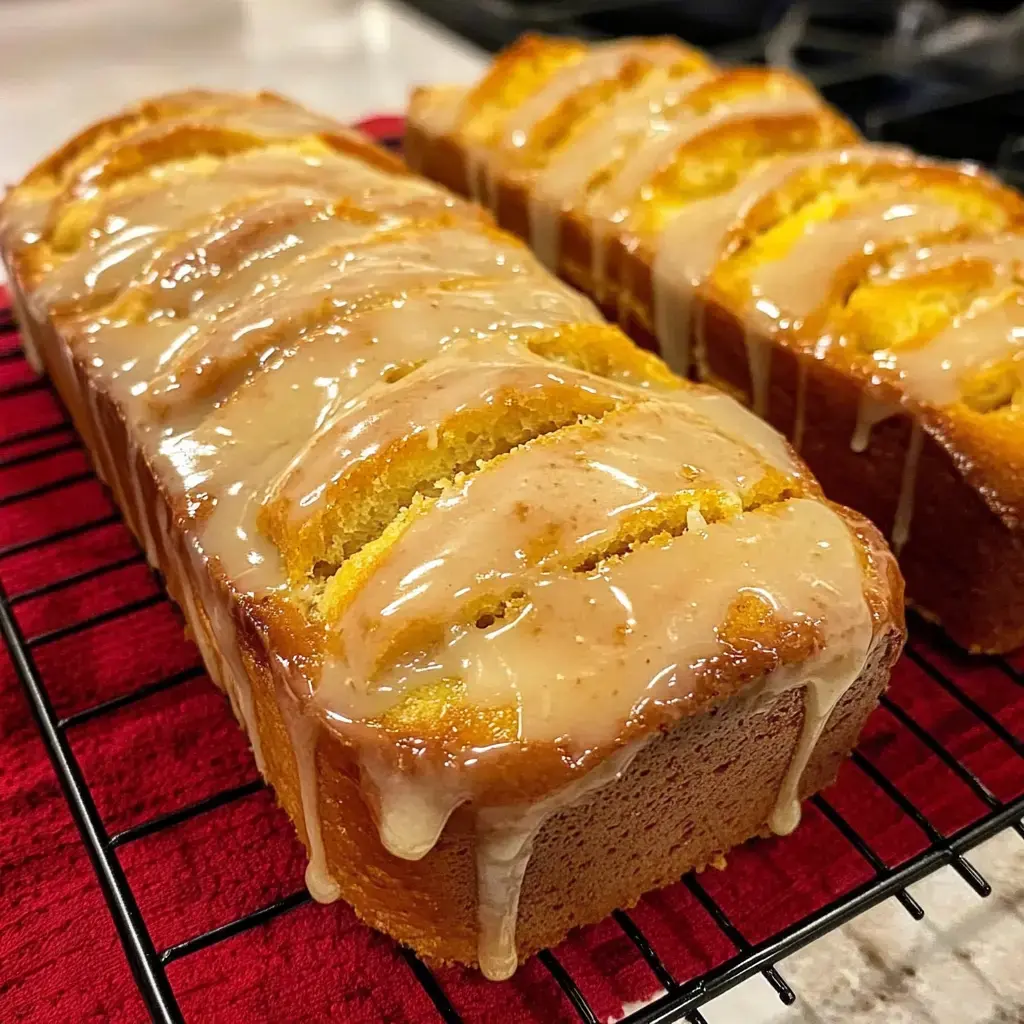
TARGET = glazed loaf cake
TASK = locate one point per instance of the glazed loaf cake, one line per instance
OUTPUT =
(519, 624)
(865, 301)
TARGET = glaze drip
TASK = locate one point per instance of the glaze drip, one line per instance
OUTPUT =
(505, 838)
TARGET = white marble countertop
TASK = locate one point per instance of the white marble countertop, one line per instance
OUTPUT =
(963, 964)
(64, 63)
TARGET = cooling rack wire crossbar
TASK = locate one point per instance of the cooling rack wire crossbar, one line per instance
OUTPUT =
(35, 443)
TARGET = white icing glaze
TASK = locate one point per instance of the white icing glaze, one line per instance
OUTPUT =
(238, 451)
(695, 520)
(629, 632)
(142, 520)
(800, 405)
(388, 417)
(991, 330)
(870, 412)
(505, 838)
(688, 248)
(786, 290)
(25, 336)
(690, 244)
(759, 364)
(562, 183)
(675, 307)
(210, 625)
(701, 366)
(545, 231)
(225, 635)
(303, 731)
(1005, 254)
(139, 228)
(607, 207)
(604, 61)
(411, 809)
(436, 110)
(825, 684)
(908, 484)
(664, 142)
(103, 458)
(737, 422)
(214, 631)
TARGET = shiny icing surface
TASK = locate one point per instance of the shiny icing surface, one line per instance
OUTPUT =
(347, 386)
(141, 233)
(613, 200)
(992, 329)
(637, 115)
(690, 246)
(578, 647)
(786, 290)
(989, 330)
(604, 61)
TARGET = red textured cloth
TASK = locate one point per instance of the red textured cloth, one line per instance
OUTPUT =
(60, 960)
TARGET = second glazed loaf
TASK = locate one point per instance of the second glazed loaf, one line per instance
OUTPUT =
(867, 302)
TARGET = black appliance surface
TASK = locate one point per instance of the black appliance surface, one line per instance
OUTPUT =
(943, 78)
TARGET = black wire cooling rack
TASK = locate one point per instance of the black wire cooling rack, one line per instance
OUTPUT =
(681, 999)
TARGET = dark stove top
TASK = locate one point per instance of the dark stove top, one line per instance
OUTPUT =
(943, 78)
